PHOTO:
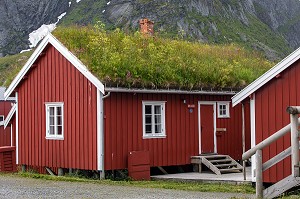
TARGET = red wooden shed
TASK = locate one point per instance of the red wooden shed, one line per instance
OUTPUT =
(5, 107)
(64, 119)
(269, 97)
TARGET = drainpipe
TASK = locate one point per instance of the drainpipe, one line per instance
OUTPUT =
(102, 175)
(243, 139)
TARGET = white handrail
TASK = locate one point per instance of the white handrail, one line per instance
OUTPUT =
(267, 141)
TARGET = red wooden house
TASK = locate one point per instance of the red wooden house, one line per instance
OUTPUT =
(5, 107)
(269, 97)
(66, 118)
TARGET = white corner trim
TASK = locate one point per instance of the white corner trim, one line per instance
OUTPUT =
(266, 77)
(10, 115)
(17, 129)
(11, 135)
(253, 135)
(215, 123)
(100, 132)
(50, 39)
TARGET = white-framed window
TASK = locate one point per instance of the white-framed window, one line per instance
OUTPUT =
(154, 119)
(223, 110)
(54, 120)
(1, 118)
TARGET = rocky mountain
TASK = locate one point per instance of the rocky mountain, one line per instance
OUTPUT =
(270, 26)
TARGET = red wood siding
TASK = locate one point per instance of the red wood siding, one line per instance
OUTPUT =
(230, 141)
(123, 129)
(271, 102)
(54, 79)
(5, 134)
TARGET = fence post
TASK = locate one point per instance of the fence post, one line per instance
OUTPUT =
(294, 111)
(294, 145)
(258, 174)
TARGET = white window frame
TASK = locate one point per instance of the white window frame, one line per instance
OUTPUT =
(55, 136)
(2, 122)
(163, 123)
(226, 104)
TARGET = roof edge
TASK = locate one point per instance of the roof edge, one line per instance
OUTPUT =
(266, 77)
(65, 52)
(10, 115)
(170, 91)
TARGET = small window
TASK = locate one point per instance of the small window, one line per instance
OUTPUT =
(223, 110)
(1, 118)
(153, 119)
(54, 120)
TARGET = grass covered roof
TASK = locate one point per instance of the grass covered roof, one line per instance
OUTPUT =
(136, 61)
(133, 60)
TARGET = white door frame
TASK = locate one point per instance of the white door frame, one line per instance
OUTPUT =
(215, 123)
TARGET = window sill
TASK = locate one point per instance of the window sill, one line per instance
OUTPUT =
(223, 117)
(54, 138)
(157, 136)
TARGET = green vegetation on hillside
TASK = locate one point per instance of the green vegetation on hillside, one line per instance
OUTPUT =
(10, 66)
(132, 60)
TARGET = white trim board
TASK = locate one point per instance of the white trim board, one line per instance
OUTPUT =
(262, 80)
(50, 39)
(253, 137)
(10, 115)
(213, 103)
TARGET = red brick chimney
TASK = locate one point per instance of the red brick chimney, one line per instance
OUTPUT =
(146, 27)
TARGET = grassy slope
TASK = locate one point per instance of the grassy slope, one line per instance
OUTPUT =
(10, 65)
(255, 35)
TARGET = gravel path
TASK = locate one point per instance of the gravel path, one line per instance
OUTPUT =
(18, 187)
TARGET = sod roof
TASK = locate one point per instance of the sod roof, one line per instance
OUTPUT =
(137, 61)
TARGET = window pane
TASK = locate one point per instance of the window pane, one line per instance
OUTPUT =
(51, 120)
(148, 128)
(51, 130)
(58, 110)
(157, 119)
(148, 109)
(59, 130)
(158, 128)
(58, 120)
(148, 119)
(51, 110)
(157, 109)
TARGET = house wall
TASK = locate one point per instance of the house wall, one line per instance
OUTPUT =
(53, 79)
(5, 134)
(123, 129)
(271, 102)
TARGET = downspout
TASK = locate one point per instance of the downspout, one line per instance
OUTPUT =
(243, 139)
(102, 174)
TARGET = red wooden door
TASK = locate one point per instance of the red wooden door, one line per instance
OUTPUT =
(207, 128)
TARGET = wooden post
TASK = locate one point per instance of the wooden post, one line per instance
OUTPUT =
(60, 172)
(23, 168)
(294, 145)
(243, 139)
(102, 175)
(258, 174)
